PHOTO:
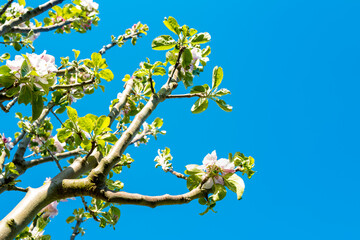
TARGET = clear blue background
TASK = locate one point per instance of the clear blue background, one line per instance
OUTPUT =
(293, 70)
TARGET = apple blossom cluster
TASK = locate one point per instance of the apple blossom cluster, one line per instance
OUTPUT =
(15, 10)
(215, 169)
(43, 65)
(6, 142)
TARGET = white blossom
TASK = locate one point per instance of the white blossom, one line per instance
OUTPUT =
(89, 5)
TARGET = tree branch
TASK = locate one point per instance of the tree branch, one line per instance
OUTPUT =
(188, 95)
(72, 85)
(83, 187)
(5, 28)
(115, 111)
(41, 29)
(177, 174)
(100, 173)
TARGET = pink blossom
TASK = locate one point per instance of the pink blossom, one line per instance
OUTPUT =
(8, 144)
(50, 210)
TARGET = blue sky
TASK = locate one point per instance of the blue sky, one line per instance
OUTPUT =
(293, 70)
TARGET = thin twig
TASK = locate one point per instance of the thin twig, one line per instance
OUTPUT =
(11, 104)
(177, 174)
(188, 95)
(42, 29)
(57, 117)
(151, 85)
(2, 107)
(110, 45)
(3, 10)
(15, 188)
(52, 156)
(35, 162)
(76, 229)
(88, 209)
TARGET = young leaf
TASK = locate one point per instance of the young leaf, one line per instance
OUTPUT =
(102, 123)
(25, 68)
(223, 105)
(235, 184)
(107, 74)
(37, 105)
(25, 95)
(6, 80)
(172, 25)
(186, 58)
(198, 89)
(159, 71)
(86, 124)
(163, 42)
(200, 38)
(217, 77)
(219, 192)
(72, 114)
(200, 105)
(222, 92)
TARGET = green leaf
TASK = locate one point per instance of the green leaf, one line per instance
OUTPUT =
(223, 105)
(102, 123)
(219, 192)
(200, 105)
(70, 219)
(206, 51)
(109, 137)
(25, 68)
(163, 42)
(37, 105)
(192, 182)
(192, 169)
(107, 74)
(72, 114)
(25, 95)
(172, 25)
(17, 46)
(22, 2)
(158, 122)
(63, 134)
(76, 53)
(159, 71)
(217, 77)
(5, 70)
(188, 80)
(235, 184)
(7, 80)
(96, 58)
(86, 124)
(192, 31)
(198, 89)
(13, 91)
(222, 92)
(200, 38)
(186, 58)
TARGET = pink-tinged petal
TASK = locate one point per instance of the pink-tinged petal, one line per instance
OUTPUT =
(208, 184)
(219, 180)
(50, 210)
(210, 159)
(225, 165)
